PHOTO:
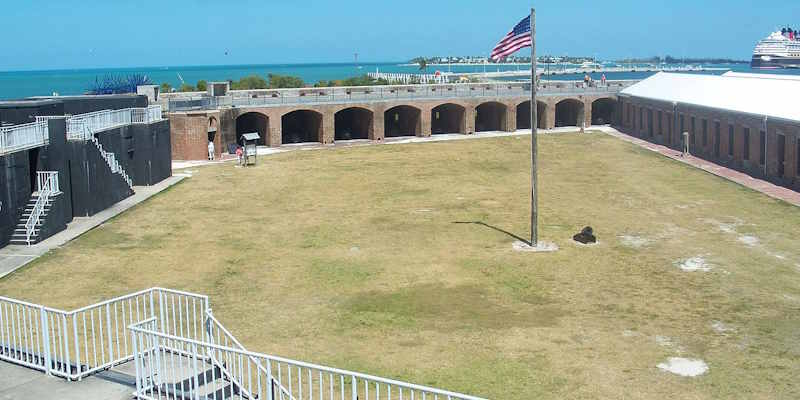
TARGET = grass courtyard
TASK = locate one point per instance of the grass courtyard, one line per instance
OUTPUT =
(383, 259)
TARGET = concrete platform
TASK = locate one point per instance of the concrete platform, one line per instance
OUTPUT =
(14, 257)
(20, 383)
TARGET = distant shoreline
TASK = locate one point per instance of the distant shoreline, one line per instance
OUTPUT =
(464, 64)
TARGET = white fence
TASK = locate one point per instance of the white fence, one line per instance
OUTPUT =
(75, 344)
(108, 119)
(180, 350)
(410, 78)
(23, 137)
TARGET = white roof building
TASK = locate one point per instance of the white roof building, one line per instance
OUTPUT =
(774, 96)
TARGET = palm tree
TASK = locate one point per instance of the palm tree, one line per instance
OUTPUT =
(423, 64)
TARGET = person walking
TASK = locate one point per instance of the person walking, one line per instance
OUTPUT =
(685, 144)
(210, 150)
(603, 79)
(239, 154)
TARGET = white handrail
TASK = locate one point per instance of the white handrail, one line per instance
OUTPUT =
(108, 119)
(47, 185)
(166, 324)
(75, 344)
(109, 157)
(22, 137)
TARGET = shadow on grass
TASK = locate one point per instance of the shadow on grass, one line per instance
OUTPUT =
(481, 223)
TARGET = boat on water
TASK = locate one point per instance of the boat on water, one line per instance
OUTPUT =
(781, 49)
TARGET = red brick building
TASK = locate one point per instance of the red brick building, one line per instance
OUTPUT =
(748, 122)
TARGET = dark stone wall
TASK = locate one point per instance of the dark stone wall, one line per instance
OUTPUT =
(144, 151)
(87, 104)
(23, 112)
(93, 186)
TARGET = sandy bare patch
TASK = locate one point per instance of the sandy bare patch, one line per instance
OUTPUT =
(634, 241)
(749, 240)
(684, 366)
(629, 333)
(664, 341)
(726, 227)
(423, 210)
(694, 264)
(721, 328)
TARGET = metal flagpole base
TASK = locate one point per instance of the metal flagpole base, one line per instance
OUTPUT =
(541, 247)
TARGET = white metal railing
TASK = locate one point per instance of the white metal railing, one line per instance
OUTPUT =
(75, 344)
(179, 350)
(168, 364)
(109, 157)
(277, 97)
(48, 178)
(23, 137)
(47, 184)
(108, 119)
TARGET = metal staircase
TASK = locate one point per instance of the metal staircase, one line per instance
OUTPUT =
(28, 229)
(110, 158)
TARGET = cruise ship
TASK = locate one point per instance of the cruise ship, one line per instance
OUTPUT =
(781, 49)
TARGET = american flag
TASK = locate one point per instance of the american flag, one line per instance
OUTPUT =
(518, 38)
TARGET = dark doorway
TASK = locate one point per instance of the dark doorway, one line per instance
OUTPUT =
(603, 111)
(249, 123)
(490, 117)
(569, 113)
(353, 123)
(524, 115)
(448, 118)
(301, 126)
(33, 166)
(716, 139)
(402, 121)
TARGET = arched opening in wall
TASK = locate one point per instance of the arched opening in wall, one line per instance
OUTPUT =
(402, 121)
(490, 116)
(448, 118)
(301, 126)
(524, 115)
(252, 122)
(212, 129)
(353, 123)
(603, 111)
(569, 112)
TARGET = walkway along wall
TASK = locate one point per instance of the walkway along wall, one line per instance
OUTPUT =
(190, 131)
(764, 148)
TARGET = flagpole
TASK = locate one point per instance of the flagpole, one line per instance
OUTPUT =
(534, 150)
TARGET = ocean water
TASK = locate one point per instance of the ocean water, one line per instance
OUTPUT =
(20, 84)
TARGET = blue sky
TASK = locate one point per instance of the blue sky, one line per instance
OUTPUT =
(116, 33)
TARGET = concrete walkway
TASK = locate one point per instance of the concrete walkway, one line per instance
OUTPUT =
(769, 189)
(20, 383)
(14, 257)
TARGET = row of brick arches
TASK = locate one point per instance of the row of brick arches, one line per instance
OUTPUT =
(301, 126)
